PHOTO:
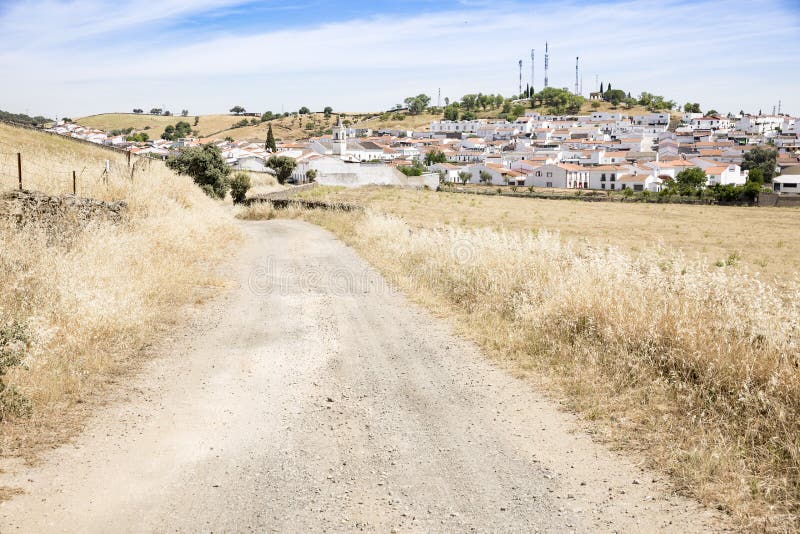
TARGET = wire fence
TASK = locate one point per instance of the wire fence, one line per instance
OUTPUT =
(43, 171)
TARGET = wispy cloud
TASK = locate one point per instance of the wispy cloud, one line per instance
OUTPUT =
(119, 57)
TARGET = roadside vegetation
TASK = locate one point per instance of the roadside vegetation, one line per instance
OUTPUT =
(691, 363)
(78, 307)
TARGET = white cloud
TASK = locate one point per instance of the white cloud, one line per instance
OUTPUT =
(705, 51)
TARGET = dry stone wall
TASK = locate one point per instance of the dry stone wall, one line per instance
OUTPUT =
(25, 207)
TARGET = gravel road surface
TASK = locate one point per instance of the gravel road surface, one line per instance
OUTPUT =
(313, 398)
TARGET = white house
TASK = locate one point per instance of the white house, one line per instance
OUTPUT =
(640, 182)
(711, 123)
(653, 119)
(562, 175)
(605, 176)
(450, 171)
(456, 126)
(788, 182)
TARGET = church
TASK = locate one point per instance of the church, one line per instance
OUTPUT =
(340, 146)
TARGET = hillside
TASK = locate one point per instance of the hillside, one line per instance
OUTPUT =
(85, 301)
(207, 125)
(301, 127)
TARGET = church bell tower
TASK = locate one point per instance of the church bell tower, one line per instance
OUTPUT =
(339, 138)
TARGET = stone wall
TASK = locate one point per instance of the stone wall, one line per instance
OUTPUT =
(778, 201)
(24, 207)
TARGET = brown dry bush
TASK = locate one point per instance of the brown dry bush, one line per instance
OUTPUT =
(90, 300)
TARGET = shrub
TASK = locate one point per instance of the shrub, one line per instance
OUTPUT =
(240, 184)
(205, 166)
(283, 166)
(13, 343)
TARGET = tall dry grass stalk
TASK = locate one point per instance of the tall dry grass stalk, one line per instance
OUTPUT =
(89, 301)
(696, 366)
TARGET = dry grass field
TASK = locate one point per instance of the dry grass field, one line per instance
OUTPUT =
(690, 365)
(79, 306)
(209, 124)
(758, 239)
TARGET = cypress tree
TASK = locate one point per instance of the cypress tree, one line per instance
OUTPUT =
(601, 88)
(270, 144)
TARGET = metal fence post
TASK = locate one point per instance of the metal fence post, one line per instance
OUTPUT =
(19, 169)
(74, 184)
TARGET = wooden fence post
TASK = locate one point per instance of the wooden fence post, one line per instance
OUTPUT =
(19, 169)
(74, 184)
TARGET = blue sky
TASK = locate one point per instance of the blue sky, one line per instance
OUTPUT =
(88, 56)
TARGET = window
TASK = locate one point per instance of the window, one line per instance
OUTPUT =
(613, 179)
(602, 186)
(787, 186)
(638, 187)
(603, 177)
(538, 173)
(549, 174)
(549, 184)
(612, 186)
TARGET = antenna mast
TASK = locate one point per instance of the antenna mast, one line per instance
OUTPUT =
(520, 78)
(546, 62)
(577, 85)
(533, 79)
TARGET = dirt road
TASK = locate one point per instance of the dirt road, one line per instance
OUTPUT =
(316, 399)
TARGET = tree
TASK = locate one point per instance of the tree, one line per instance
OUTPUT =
(327, 111)
(692, 107)
(765, 159)
(468, 116)
(179, 131)
(417, 104)
(140, 137)
(559, 101)
(196, 120)
(270, 145)
(237, 110)
(486, 177)
(615, 96)
(167, 113)
(138, 111)
(206, 167)
(184, 113)
(283, 166)
(601, 88)
(517, 110)
(464, 176)
(451, 112)
(304, 111)
(468, 102)
(595, 104)
(311, 175)
(155, 111)
(756, 175)
(690, 180)
(435, 156)
(712, 113)
(446, 101)
(240, 184)
(414, 169)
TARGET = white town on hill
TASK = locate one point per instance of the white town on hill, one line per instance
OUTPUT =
(603, 150)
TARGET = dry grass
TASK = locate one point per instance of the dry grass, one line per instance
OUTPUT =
(759, 239)
(693, 366)
(91, 302)
(208, 124)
